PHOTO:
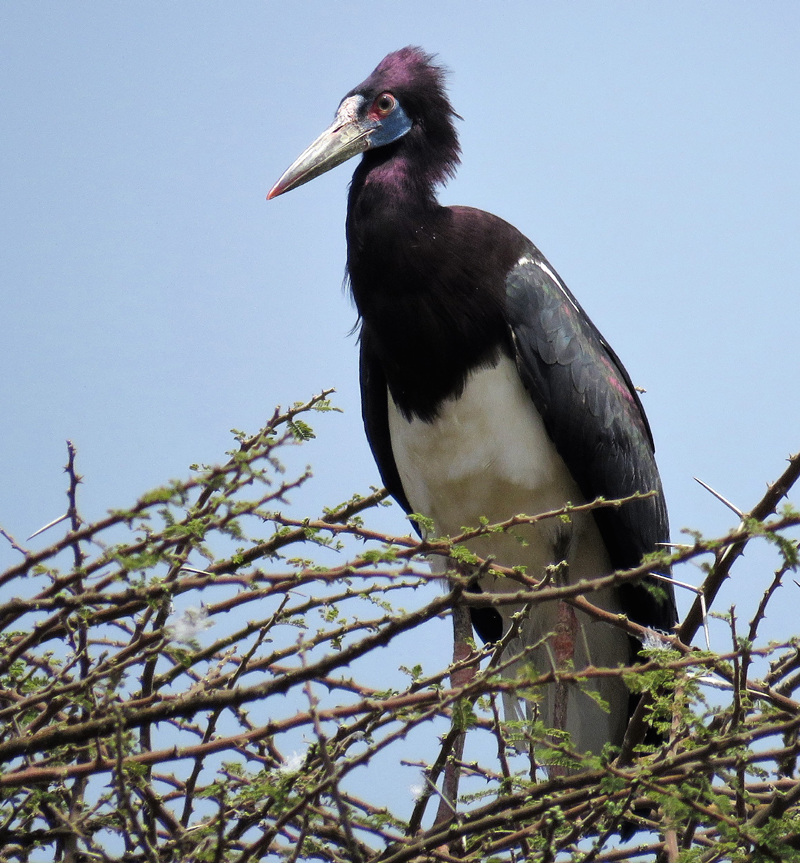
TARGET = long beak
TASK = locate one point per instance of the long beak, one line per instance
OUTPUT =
(346, 137)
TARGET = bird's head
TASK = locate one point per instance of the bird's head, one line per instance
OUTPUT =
(403, 99)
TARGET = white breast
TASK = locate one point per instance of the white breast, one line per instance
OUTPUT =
(487, 454)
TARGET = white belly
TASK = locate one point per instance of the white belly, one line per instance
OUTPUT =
(488, 455)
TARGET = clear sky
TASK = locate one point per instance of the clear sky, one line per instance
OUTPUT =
(152, 299)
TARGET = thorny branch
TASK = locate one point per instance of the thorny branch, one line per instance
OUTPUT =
(220, 673)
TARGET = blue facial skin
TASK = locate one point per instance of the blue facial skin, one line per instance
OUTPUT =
(391, 128)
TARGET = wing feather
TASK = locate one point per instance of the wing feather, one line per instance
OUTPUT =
(595, 419)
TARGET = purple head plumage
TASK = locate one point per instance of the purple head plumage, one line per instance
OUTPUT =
(403, 99)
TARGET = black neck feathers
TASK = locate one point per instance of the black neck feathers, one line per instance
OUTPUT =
(428, 280)
(429, 284)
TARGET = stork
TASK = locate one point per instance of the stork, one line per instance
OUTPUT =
(486, 389)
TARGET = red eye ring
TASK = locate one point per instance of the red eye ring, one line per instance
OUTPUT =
(384, 104)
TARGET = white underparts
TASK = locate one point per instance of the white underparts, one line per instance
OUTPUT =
(487, 454)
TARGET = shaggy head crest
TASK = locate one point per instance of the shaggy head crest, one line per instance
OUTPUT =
(418, 83)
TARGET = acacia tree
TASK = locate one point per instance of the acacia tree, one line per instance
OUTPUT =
(187, 680)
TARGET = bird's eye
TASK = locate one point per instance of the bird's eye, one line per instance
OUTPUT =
(384, 104)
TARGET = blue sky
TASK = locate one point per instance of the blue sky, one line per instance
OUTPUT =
(153, 300)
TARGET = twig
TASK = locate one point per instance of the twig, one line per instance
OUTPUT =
(333, 784)
(726, 557)
(13, 543)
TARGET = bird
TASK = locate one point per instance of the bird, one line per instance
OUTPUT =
(487, 392)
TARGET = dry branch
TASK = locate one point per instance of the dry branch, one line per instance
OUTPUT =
(126, 723)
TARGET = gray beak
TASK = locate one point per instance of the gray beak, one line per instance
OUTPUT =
(346, 137)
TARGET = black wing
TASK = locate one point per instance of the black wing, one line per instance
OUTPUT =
(595, 419)
(590, 410)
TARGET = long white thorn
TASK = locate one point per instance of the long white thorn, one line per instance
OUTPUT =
(53, 523)
(439, 793)
(686, 586)
(719, 497)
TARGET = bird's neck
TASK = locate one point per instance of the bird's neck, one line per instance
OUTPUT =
(430, 306)
(390, 184)
(392, 214)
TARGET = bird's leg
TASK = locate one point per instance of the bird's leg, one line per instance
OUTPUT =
(462, 630)
(563, 646)
(564, 649)
(460, 677)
